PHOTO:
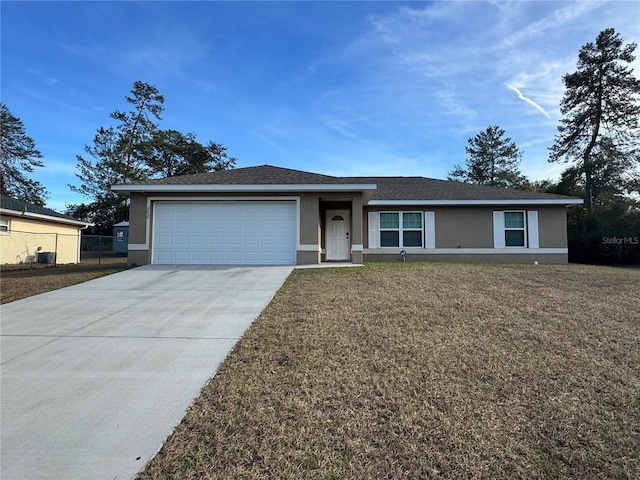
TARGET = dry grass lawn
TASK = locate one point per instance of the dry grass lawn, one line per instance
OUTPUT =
(18, 282)
(410, 371)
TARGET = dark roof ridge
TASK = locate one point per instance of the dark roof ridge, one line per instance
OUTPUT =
(10, 203)
(293, 170)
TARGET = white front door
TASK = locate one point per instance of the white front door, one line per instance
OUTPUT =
(337, 227)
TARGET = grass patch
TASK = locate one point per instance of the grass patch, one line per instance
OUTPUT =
(17, 283)
(426, 371)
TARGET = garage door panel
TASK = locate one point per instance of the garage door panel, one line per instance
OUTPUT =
(181, 256)
(182, 209)
(199, 257)
(216, 240)
(182, 239)
(250, 257)
(164, 256)
(268, 240)
(267, 257)
(234, 224)
(230, 232)
(250, 240)
(215, 257)
(285, 258)
(232, 256)
(234, 240)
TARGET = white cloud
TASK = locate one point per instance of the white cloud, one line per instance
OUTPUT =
(556, 20)
(42, 77)
(453, 105)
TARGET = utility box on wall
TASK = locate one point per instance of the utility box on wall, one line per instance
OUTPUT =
(121, 238)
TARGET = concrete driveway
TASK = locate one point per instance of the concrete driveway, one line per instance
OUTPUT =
(96, 376)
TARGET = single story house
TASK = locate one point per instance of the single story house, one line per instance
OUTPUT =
(28, 230)
(271, 215)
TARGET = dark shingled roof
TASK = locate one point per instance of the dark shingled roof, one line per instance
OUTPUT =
(20, 206)
(262, 175)
(389, 188)
(421, 188)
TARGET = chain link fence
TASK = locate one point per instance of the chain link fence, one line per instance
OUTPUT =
(32, 250)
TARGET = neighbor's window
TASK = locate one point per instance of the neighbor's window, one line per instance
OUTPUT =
(514, 229)
(401, 229)
(4, 225)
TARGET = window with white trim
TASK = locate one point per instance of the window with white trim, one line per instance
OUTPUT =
(4, 225)
(401, 229)
(514, 229)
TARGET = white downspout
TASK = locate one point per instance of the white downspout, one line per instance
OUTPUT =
(80, 242)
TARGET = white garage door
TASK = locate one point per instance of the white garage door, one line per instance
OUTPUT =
(250, 233)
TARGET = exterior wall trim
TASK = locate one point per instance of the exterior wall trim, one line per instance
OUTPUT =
(308, 248)
(411, 203)
(356, 247)
(467, 251)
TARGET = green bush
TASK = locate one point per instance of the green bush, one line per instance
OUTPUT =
(607, 236)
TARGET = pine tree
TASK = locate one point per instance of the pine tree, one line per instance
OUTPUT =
(118, 155)
(172, 153)
(491, 160)
(18, 157)
(599, 134)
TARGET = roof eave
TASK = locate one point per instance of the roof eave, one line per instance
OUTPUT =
(48, 218)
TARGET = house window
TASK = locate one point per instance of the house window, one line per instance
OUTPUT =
(514, 229)
(401, 229)
(4, 225)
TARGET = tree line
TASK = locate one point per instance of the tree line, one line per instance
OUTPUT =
(598, 139)
(134, 148)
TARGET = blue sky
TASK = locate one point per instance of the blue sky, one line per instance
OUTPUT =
(340, 88)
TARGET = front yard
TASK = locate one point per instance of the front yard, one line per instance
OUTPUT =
(411, 371)
(22, 281)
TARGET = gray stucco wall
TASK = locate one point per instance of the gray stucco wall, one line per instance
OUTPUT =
(310, 219)
(137, 218)
(464, 227)
(552, 227)
(472, 227)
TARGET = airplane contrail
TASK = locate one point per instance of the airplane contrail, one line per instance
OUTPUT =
(527, 99)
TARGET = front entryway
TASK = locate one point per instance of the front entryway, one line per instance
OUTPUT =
(337, 225)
